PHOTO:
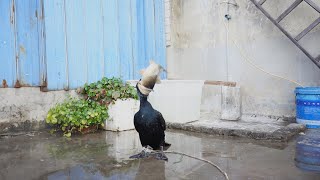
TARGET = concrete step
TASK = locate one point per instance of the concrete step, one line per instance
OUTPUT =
(253, 130)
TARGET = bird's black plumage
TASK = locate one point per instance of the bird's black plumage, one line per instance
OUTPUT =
(150, 124)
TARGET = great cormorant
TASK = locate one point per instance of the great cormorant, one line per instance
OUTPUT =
(150, 125)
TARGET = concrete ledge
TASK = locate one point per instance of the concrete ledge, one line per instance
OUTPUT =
(242, 129)
(25, 126)
(24, 109)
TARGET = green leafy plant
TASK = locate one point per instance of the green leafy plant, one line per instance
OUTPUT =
(77, 114)
(108, 90)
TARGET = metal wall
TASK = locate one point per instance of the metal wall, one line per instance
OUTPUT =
(19, 43)
(63, 44)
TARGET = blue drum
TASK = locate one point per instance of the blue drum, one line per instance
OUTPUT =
(308, 106)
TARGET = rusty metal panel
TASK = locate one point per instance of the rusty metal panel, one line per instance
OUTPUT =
(111, 38)
(63, 44)
(7, 45)
(76, 43)
(42, 58)
(160, 39)
(117, 38)
(135, 38)
(55, 43)
(125, 39)
(27, 43)
(149, 28)
(141, 61)
(94, 40)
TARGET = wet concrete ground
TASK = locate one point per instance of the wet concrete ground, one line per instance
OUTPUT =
(104, 155)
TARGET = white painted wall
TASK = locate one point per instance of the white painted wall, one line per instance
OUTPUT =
(199, 50)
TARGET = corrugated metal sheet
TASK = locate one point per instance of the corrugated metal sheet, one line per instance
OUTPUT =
(79, 41)
(27, 42)
(7, 44)
(56, 44)
(86, 40)
(19, 39)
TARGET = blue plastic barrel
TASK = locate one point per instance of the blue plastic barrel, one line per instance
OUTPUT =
(308, 106)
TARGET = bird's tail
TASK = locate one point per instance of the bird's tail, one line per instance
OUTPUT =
(166, 145)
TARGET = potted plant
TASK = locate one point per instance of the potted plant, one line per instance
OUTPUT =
(119, 97)
(90, 111)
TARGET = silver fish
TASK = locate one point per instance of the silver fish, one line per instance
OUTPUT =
(150, 76)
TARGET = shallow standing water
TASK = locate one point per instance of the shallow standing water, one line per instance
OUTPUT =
(104, 155)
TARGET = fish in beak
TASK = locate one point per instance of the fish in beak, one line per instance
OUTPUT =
(150, 76)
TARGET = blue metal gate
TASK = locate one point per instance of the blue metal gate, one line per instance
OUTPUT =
(62, 44)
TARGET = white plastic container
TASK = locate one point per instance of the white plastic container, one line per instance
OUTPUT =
(179, 101)
(121, 115)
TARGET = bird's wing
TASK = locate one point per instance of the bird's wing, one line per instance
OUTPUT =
(161, 120)
(135, 121)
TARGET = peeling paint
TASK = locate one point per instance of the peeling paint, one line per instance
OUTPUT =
(42, 11)
(12, 14)
(21, 83)
(44, 85)
(22, 49)
(44, 89)
(17, 84)
(4, 83)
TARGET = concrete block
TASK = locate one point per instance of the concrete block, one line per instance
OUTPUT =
(121, 115)
(230, 103)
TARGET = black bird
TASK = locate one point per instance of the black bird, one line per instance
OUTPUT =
(150, 125)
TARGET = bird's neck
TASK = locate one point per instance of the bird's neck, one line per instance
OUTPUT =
(143, 101)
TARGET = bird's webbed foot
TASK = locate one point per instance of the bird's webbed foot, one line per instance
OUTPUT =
(146, 152)
(139, 155)
(160, 155)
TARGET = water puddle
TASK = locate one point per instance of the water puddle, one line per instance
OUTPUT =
(105, 155)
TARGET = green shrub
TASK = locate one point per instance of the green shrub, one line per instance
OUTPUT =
(76, 114)
(107, 91)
